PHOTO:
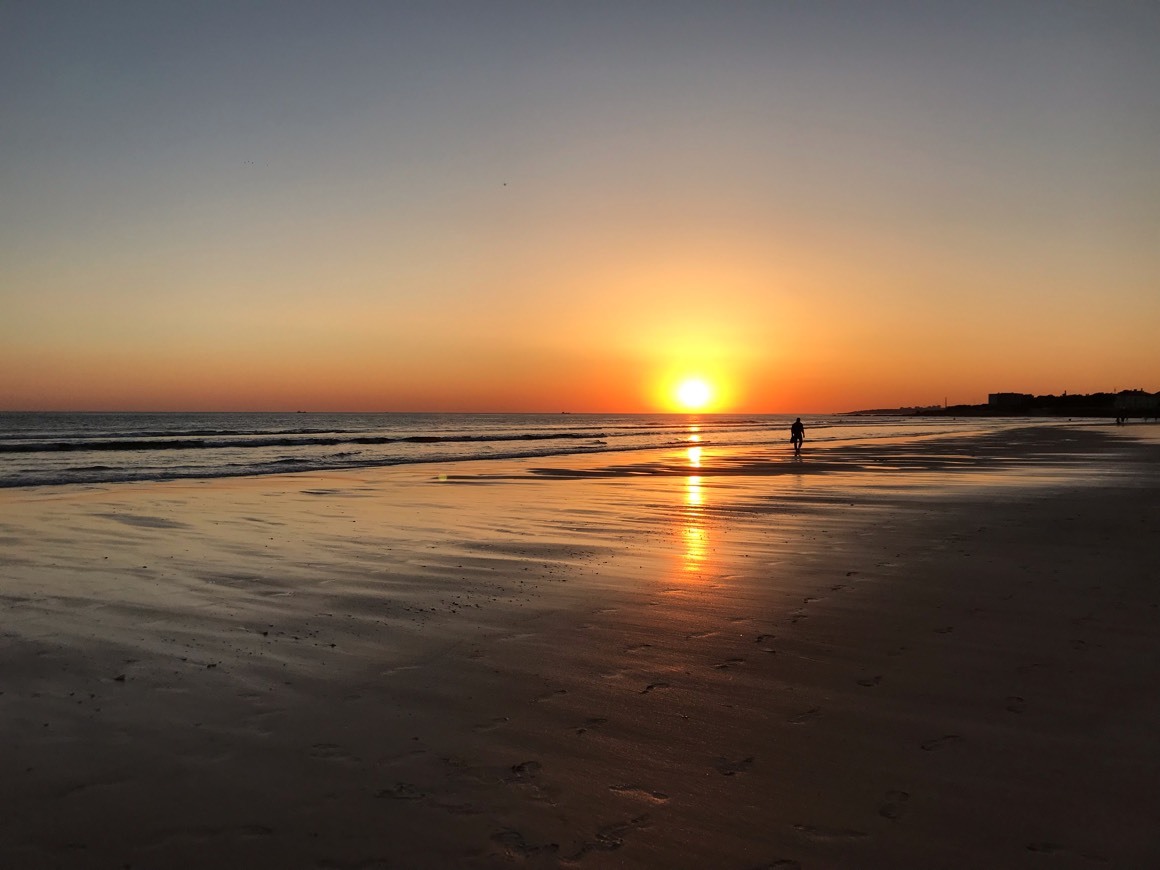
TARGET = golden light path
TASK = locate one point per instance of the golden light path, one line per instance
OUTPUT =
(695, 533)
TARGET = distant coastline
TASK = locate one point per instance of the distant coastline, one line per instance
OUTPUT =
(1124, 404)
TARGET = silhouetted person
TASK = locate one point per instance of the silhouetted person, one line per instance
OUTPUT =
(797, 434)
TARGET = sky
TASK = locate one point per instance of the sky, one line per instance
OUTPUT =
(543, 206)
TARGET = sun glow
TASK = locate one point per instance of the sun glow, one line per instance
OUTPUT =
(694, 387)
(694, 394)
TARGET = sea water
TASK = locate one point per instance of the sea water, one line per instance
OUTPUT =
(45, 449)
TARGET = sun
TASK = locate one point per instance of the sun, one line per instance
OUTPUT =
(693, 394)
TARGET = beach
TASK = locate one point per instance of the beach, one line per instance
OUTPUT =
(929, 652)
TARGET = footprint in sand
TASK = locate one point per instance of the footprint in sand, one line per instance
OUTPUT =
(870, 682)
(702, 635)
(942, 742)
(552, 694)
(895, 805)
(651, 686)
(728, 663)
(1015, 704)
(764, 639)
(525, 771)
(609, 838)
(726, 767)
(526, 777)
(637, 647)
(402, 791)
(1048, 848)
(516, 845)
(589, 724)
(635, 791)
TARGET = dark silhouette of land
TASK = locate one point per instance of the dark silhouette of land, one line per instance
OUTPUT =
(1121, 405)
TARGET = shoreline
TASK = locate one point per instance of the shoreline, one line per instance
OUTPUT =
(648, 665)
(125, 452)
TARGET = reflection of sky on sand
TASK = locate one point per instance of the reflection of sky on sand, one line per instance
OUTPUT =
(701, 493)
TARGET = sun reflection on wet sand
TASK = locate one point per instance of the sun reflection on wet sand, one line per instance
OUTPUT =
(693, 494)
(696, 536)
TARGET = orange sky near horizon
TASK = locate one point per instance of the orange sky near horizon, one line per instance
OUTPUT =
(813, 209)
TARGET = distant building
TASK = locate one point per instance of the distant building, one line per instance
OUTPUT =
(1008, 400)
(1137, 400)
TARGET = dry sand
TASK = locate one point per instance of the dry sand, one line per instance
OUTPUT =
(930, 654)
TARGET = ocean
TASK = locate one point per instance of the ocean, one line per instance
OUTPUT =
(51, 449)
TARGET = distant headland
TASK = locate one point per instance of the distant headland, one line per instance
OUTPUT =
(1124, 404)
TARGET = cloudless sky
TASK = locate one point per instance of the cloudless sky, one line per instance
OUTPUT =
(540, 206)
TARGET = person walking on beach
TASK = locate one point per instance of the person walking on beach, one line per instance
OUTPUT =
(797, 434)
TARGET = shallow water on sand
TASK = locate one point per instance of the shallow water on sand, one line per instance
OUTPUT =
(38, 449)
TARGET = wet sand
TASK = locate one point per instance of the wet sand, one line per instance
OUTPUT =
(937, 653)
